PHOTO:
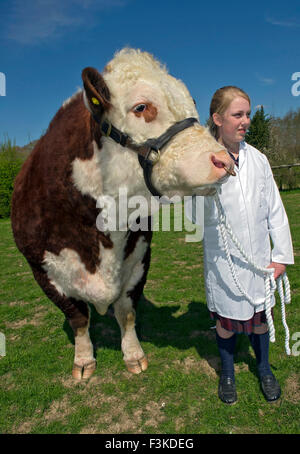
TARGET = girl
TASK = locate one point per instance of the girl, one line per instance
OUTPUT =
(253, 206)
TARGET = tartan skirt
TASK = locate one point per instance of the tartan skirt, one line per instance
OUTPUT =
(241, 326)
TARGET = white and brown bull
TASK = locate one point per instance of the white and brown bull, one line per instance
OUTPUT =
(95, 145)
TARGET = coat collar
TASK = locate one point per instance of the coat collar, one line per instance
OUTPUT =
(242, 155)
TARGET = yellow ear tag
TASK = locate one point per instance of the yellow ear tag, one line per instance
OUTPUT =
(95, 101)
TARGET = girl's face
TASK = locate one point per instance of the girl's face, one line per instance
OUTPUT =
(233, 124)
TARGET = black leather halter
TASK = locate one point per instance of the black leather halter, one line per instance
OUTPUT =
(149, 151)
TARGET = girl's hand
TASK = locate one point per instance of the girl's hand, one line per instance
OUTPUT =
(279, 269)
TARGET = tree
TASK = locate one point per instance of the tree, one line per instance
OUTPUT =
(258, 134)
(10, 165)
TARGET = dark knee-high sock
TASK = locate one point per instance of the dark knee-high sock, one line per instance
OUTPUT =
(226, 348)
(260, 344)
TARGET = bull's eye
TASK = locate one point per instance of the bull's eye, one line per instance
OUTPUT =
(140, 108)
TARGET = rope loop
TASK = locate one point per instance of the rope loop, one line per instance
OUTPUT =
(267, 273)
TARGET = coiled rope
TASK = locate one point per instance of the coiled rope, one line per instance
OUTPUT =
(266, 273)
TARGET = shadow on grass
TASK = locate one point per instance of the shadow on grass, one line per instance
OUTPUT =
(162, 327)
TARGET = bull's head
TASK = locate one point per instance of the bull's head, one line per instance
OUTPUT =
(141, 110)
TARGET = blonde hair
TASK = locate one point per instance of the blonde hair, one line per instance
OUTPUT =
(220, 102)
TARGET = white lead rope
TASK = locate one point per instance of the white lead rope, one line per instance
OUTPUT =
(267, 273)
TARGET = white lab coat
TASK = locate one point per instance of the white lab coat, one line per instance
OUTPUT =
(254, 209)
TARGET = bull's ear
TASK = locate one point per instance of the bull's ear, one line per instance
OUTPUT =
(97, 95)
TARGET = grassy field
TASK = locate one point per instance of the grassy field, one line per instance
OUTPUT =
(178, 392)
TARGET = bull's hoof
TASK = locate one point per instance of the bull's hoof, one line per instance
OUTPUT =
(83, 372)
(137, 366)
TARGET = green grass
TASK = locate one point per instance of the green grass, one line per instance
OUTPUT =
(178, 392)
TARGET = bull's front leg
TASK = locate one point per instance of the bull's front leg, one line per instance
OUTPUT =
(77, 313)
(134, 357)
(84, 361)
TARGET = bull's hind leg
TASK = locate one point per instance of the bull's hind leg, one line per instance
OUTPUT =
(77, 313)
(134, 356)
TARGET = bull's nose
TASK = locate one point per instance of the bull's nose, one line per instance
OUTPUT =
(223, 161)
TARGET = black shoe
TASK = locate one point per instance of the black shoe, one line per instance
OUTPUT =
(270, 387)
(227, 391)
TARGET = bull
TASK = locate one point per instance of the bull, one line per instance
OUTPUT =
(133, 127)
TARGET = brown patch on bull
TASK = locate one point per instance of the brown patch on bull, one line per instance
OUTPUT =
(49, 213)
(149, 113)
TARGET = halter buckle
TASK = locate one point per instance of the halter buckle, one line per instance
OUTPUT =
(109, 126)
(154, 156)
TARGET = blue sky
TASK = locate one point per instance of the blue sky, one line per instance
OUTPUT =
(45, 44)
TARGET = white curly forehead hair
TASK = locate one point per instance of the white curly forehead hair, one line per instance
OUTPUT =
(133, 61)
(130, 66)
